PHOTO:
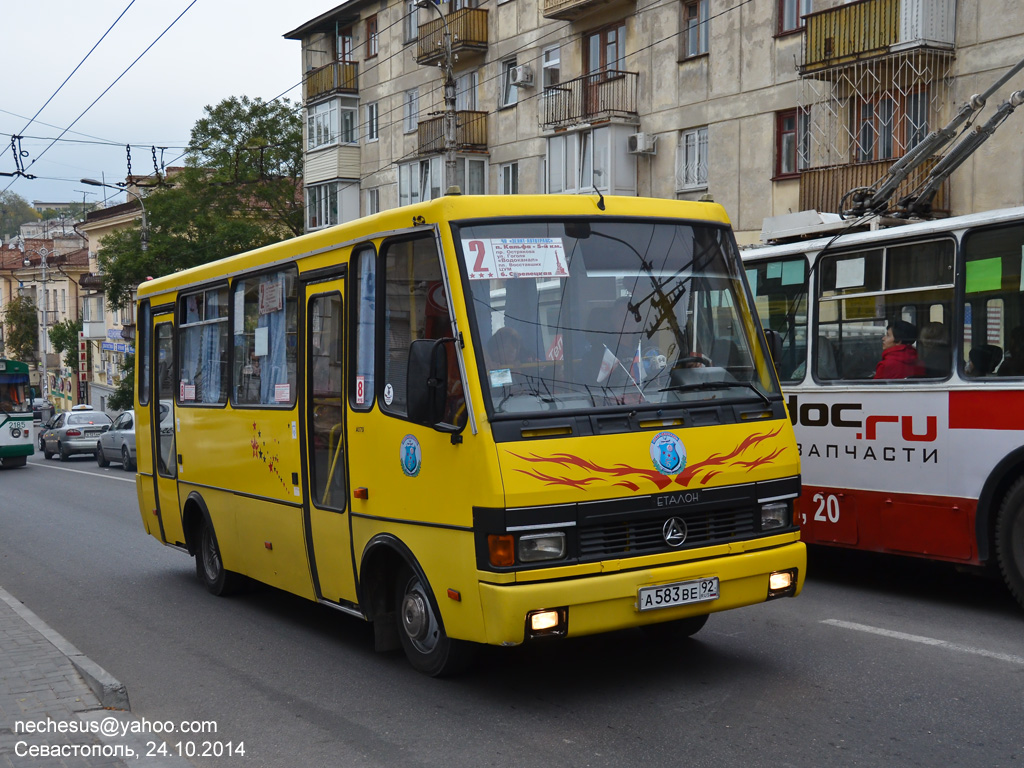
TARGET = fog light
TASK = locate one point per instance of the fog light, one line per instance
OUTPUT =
(774, 515)
(782, 583)
(541, 546)
(550, 622)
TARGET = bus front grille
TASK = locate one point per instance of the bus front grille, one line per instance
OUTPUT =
(644, 535)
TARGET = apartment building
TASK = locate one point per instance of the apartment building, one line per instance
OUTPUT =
(765, 106)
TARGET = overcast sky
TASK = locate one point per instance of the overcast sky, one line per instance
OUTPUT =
(217, 49)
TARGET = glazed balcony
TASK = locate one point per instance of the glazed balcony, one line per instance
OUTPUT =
(470, 133)
(336, 77)
(592, 98)
(871, 28)
(572, 9)
(822, 189)
(469, 34)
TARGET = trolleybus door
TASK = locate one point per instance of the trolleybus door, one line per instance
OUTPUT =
(326, 463)
(162, 421)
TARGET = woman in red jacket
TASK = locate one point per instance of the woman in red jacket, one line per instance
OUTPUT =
(899, 358)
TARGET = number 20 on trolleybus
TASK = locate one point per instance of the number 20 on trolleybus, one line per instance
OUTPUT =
(476, 420)
(17, 442)
(931, 463)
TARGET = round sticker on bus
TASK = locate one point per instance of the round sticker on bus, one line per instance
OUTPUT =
(410, 456)
(389, 393)
(668, 453)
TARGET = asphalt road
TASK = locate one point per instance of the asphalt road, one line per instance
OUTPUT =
(881, 661)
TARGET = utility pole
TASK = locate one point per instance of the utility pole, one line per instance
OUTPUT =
(451, 122)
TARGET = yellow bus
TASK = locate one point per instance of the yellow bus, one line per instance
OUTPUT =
(476, 420)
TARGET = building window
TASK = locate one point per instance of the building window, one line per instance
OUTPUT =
(508, 91)
(372, 201)
(791, 142)
(411, 110)
(695, 27)
(423, 180)
(875, 130)
(791, 14)
(551, 67)
(372, 122)
(412, 21)
(579, 162)
(465, 91)
(321, 205)
(917, 119)
(322, 124)
(510, 179)
(692, 160)
(372, 38)
(606, 49)
(346, 46)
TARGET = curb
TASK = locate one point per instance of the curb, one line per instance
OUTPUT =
(108, 689)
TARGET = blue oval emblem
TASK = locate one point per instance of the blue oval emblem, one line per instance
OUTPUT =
(668, 453)
(410, 456)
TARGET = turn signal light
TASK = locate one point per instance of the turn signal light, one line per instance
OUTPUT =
(502, 550)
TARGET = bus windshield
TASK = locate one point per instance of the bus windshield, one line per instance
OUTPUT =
(577, 314)
(12, 393)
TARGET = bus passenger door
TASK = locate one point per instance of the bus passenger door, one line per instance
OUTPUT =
(326, 461)
(162, 423)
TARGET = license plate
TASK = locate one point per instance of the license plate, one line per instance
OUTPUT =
(680, 593)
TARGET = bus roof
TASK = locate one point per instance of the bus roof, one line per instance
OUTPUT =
(447, 208)
(881, 235)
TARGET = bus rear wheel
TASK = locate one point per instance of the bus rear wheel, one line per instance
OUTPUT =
(426, 645)
(1010, 540)
(210, 567)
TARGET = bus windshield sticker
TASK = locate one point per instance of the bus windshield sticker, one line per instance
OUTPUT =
(282, 393)
(501, 377)
(792, 272)
(389, 393)
(850, 273)
(512, 257)
(984, 275)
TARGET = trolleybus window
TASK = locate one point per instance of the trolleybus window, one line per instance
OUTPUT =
(993, 332)
(780, 293)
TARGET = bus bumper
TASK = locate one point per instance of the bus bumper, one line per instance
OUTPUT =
(608, 602)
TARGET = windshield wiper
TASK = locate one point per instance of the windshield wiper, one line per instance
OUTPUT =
(699, 385)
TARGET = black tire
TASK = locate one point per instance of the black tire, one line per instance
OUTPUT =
(47, 454)
(100, 458)
(1010, 540)
(210, 567)
(673, 631)
(421, 631)
(64, 454)
(126, 459)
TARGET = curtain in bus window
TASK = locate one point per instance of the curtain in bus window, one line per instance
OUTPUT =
(366, 314)
(274, 383)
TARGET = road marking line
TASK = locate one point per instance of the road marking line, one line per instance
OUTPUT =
(83, 472)
(926, 641)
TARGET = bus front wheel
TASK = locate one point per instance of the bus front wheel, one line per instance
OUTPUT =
(423, 638)
(209, 565)
(1010, 540)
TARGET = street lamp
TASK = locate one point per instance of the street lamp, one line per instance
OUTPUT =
(43, 253)
(145, 225)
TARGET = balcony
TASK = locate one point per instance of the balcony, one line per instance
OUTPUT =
(571, 9)
(470, 134)
(336, 77)
(871, 28)
(592, 98)
(822, 189)
(469, 33)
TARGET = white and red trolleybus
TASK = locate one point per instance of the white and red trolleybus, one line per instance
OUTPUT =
(931, 464)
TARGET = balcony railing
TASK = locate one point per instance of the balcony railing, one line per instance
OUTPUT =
(570, 9)
(470, 133)
(594, 97)
(822, 189)
(468, 27)
(336, 77)
(870, 28)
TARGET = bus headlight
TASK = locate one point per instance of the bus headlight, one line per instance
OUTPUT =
(541, 546)
(774, 515)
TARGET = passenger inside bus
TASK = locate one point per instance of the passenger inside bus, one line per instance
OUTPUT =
(983, 360)
(899, 358)
(933, 349)
(1013, 365)
(505, 349)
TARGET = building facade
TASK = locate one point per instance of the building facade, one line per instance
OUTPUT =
(767, 106)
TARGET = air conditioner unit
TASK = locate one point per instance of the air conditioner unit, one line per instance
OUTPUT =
(521, 76)
(641, 144)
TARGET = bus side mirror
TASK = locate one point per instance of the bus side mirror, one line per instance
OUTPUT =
(774, 341)
(427, 381)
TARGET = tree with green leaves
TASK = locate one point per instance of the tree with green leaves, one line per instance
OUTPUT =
(123, 396)
(21, 329)
(64, 337)
(14, 211)
(239, 190)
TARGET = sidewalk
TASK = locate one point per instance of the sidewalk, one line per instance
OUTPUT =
(58, 707)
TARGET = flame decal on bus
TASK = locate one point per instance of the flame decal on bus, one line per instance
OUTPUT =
(714, 464)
